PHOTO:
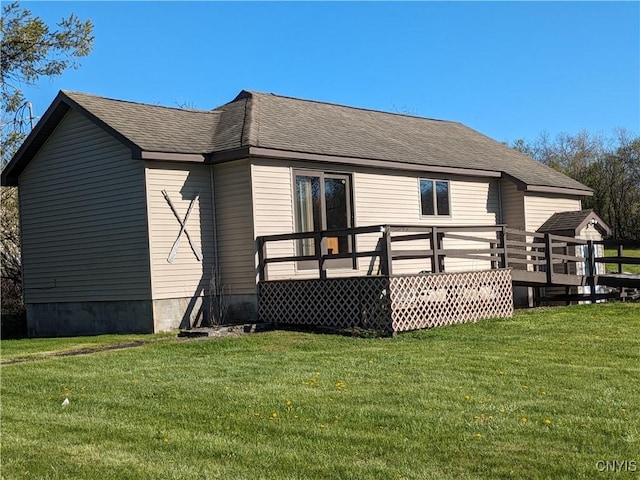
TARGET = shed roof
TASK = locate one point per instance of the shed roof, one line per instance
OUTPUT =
(271, 125)
(574, 221)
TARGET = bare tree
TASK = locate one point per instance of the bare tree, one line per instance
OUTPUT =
(610, 166)
(29, 50)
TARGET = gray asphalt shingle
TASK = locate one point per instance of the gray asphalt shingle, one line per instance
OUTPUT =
(565, 221)
(304, 126)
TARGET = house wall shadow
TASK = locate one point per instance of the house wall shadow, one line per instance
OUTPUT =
(198, 308)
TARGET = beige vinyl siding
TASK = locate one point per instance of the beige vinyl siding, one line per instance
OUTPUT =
(383, 197)
(379, 197)
(538, 208)
(513, 216)
(512, 205)
(234, 217)
(83, 213)
(186, 276)
(273, 210)
(589, 233)
(274, 213)
(386, 197)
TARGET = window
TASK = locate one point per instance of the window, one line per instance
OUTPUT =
(434, 197)
(323, 202)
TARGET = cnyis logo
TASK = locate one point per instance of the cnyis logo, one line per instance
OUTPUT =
(617, 466)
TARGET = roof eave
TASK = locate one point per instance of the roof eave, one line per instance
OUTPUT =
(36, 138)
(558, 190)
(367, 162)
(135, 149)
(525, 187)
(45, 127)
(171, 156)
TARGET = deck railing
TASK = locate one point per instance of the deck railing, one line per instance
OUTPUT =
(620, 259)
(491, 248)
(535, 258)
(393, 302)
(549, 259)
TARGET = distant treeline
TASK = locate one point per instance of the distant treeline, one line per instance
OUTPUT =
(608, 165)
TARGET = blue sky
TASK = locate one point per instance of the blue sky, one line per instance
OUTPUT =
(507, 69)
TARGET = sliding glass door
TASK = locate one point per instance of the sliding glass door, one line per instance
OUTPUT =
(323, 202)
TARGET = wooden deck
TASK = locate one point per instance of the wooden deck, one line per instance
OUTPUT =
(427, 276)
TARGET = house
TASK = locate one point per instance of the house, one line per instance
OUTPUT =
(133, 216)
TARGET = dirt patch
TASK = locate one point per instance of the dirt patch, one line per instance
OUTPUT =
(225, 330)
(71, 353)
(205, 333)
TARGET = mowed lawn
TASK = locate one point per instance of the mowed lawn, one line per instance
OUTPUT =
(551, 393)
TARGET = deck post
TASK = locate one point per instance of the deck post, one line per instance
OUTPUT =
(502, 234)
(262, 254)
(494, 263)
(620, 254)
(317, 242)
(548, 258)
(435, 244)
(354, 258)
(387, 255)
(591, 266)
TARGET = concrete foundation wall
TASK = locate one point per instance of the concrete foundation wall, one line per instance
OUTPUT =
(64, 319)
(174, 313)
(137, 316)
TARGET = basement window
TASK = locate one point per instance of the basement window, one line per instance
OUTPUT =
(434, 198)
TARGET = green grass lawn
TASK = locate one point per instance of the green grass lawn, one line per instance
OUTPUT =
(628, 252)
(547, 394)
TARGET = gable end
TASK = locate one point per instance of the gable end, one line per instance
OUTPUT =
(43, 130)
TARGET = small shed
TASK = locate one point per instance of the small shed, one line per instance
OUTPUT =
(583, 225)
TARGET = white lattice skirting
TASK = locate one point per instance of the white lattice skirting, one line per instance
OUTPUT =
(393, 304)
(426, 301)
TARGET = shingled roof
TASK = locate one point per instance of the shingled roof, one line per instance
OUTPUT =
(573, 222)
(271, 125)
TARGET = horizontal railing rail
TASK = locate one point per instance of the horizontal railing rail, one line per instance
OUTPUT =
(490, 250)
(620, 259)
(319, 238)
(534, 257)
